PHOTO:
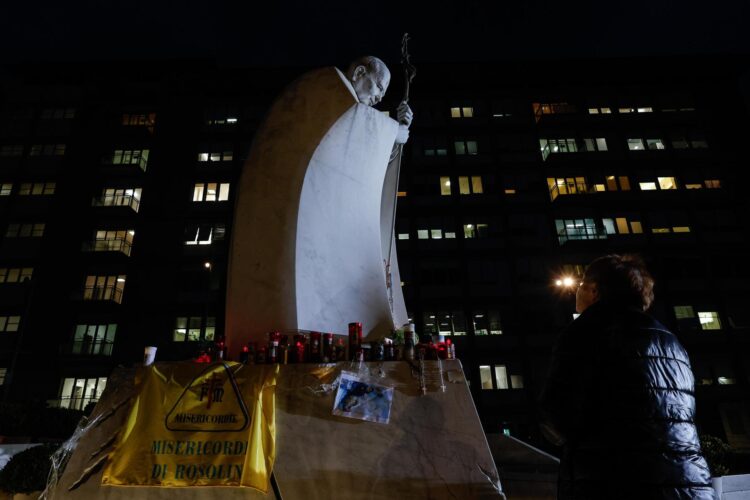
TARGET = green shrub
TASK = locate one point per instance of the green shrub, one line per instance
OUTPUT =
(27, 471)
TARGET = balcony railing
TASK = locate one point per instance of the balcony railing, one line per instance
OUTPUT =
(111, 245)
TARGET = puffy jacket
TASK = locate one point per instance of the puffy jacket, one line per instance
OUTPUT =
(620, 400)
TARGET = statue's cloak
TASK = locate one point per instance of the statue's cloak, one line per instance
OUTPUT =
(312, 219)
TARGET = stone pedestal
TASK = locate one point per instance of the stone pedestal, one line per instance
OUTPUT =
(433, 446)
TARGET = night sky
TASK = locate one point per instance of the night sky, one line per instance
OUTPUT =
(317, 33)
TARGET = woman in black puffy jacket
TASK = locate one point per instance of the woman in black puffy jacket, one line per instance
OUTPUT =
(620, 395)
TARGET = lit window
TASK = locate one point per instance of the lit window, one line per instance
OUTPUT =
(462, 112)
(593, 111)
(204, 234)
(403, 236)
(635, 144)
(654, 144)
(626, 110)
(554, 146)
(463, 185)
(709, 320)
(47, 150)
(25, 230)
(94, 339)
(9, 323)
(726, 381)
(211, 191)
(37, 188)
(647, 186)
(636, 227)
(646, 110)
(436, 234)
(516, 381)
(476, 185)
(146, 120)
(104, 288)
(3, 374)
(501, 377)
(131, 157)
(475, 231)
(77, 393)
(15, 274)
(445, 186)
(450, 235)
(112, 241)
(578, 229)
(684, 312)
(713, 184)
(624, 183)
(128, 197)
(666, 183)
(594, 144)
(485, 376)
(510, 191)
(216, 156)
(693, 186)
(551, 109)
(192, 329)
(6, 188)
(401, 194)
(466, 147)
(423, 234)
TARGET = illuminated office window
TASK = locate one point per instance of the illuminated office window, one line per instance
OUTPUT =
(654, 144)
(423, 234)
(635, 144)
(119, 240)
(6, 188)
(693, 186)
(647, 186)
(555, 146)
(578, 229)
(713, 184)
(709, 320)
(94, 339)
(15, 274)
(501, 377)
(445, 186)
(602, 111)
(211, 191)
(36, 188)
(462, 112)
(666, 183)
(108, 288)
(25, 230)
(114, 197)
(553, 108)
(646, 109)
(485, 377)
(216, 156)
(681, 229)
(475, 231)
(77, 393)
(131, 157)
(194, 329)
(466, 147)
(145, 120)
(594, 144)
(204, 234)
(403, 236)
(516, 381)
(9, 323)
(47, 150)
(625, 110)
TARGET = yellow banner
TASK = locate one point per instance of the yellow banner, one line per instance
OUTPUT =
(198, 425)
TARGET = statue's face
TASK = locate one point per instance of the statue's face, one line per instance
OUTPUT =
(370, 86)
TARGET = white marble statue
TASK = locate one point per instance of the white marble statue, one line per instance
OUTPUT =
(313, 219)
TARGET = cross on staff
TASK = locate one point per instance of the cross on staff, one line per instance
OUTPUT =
(409, 72)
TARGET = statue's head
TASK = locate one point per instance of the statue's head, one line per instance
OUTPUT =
(370, 78)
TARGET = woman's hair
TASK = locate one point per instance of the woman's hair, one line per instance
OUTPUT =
(621, 279)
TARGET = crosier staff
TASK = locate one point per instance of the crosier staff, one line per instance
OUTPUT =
(409, 72)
